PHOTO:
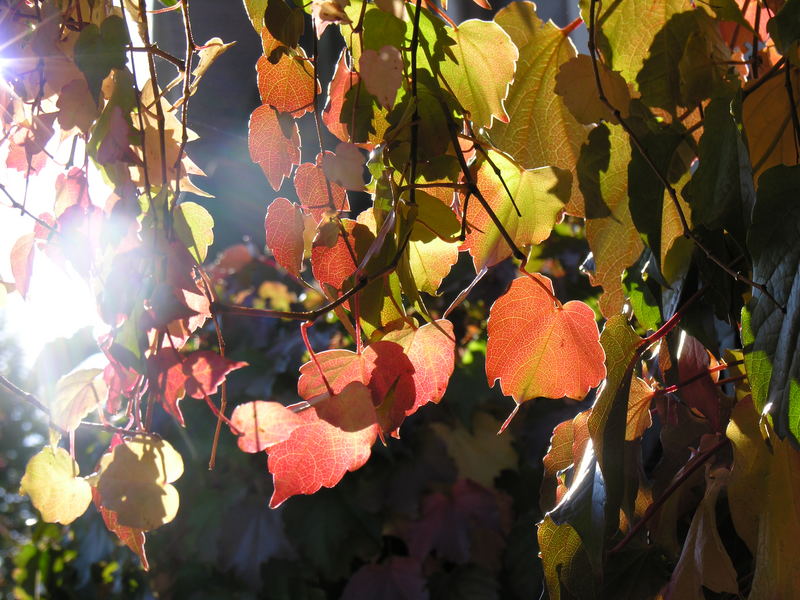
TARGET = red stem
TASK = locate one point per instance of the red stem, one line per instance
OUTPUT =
(303, 332)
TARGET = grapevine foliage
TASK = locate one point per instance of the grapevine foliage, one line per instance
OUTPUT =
(672, 146)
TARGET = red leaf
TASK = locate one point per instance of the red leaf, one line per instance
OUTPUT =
(18, 159)
(71, 189)
(22, 262)
(167, 380)
(702, 394)
(132, 538)
(334, 257)
(205, 371)
(274, 148)
(284, 227)
(288, 85)
(343, 80)
(536, 349)
(337, 437)
(263, 424)
(399, 578)
(121, 382)
(312, 190)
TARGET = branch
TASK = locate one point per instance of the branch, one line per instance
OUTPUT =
(415, 116)
(687, 230)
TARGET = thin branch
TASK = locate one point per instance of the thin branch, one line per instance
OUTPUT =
(25, 211)
(415, 116)
(793, 110)
(153, 49)
(687, 230)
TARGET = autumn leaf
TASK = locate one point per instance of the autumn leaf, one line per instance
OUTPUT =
(382, 73)
(205, 371)
(639, 418)
(313, 190)
(288, 85)
(51, 480)
(334, 255)
(537, 349)
(195, 228)
(539, 194)
(345, 167)
(576, 84)
(284, 228)
(274, 144)
(336, 437)
(76, 107)
(22, 262)
(132, 538)
(541, 130)
(567, 444)
(343, 79)
(261, 424)
(482, 69)
(136, 482)
(77, 395)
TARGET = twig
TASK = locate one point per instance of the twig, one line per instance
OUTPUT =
(412, 198)
(793, 109)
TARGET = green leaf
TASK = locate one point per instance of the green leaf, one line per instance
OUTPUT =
(541, 130)
(626, 30)
(772, 242)
(643, 302)
(255, 11)
(284, 22)
(382, 29)
(51, 480)
(194, 226)
(100, 49)
(564, 561)
(481, 70)
(784, 27)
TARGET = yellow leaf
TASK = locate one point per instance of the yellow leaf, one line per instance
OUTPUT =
(135, 482)
(51, 480)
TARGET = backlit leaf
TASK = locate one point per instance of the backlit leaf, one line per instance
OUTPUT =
(284, 228)
(541, 130)
(51, 480)
(194, 226)
(345, 167)
(313, 191)
(382, 73)
(100, 49)
(336, 437)
(343, 79)
(22, 262)
(263, 424)
(288, 85)
(537, 349)
(575, 83)
(77, 395)
(136, 482)
(639, 419)
(275, 146)
(484, 65)
(540, 195)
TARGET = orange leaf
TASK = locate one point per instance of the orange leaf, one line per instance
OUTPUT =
(639, 419)
(343, 80)
(275, 150)
(288, 85)
(536, 349)
(334, 257)
(132, 538)
(336, 437)
(284, 227)
(312, 190)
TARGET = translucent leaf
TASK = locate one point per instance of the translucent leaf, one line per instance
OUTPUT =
(51, 480)
(77, 395)
(194, 226)
(274, 145)
(284, 228)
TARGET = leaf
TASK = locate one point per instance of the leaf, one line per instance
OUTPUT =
(167, 380)
(430, 258)
(539, 194)
(284, 22)
(255, 11)
(483, 67)
(100, 49)
(312, 190)
(399, 578)
(136, 482)
(776, 264)
(288, 85)
(51, 480)
(284, 226)
(541, 130)
(567, 444)
(274, 146)
(132, 538)
(767, 120)
(76, 107)
(194, 226)
(345, 167)
(763, 493)
(702, 394)
(343, 79)
(537, 349)
(22, 262)
(382, 73)
(205, 371)
(704, 561)
(784, 27)
(336, 437)
(78, 394)
(639, 418)
(564, 561)
(334, 255)
(263, 424)
(626, 30)
(480, 454)
(453, 524)
(612, 237)
(575, 83)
